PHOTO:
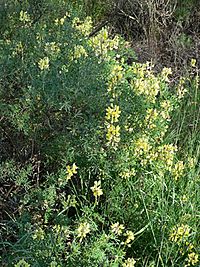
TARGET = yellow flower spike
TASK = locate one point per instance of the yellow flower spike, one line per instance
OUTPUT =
(192, 259)
(180, 88)
(79, 51)
(96, 189)
(83, 230)
(179, 233)
(71, 171)
(52, 48)
(166, 154)
(117, 228)
(56, 21)
(113, 113)
(165, 73)
(142, 146)
(43, 63)
(62, 20)
(24, 17)
(129, 237)
(178, 169)
(113, 134)
(84, 27)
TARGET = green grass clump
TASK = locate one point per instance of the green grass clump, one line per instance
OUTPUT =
(89, 173)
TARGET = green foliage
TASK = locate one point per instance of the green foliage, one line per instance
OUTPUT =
(93, 177)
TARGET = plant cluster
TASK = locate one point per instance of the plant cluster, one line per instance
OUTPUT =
(89, 175)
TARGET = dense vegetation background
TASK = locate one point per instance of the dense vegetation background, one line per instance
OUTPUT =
(99, 133)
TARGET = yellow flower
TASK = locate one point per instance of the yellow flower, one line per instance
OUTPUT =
(180, 88)
(24, 17)
(96, 189)
(180, 233)
(79, 51)
(62, 20)
(71, 170)
(166, 154)
(18, 49)
(43, 63)
(142, 146)
(102, 44)
(151, 117)
(130, 262)
(165, 73)
(83, 230)
(128, 173)
(113, 113)
(39, 234)
(191, 162)
(130, 237)
(148, 86)
(52, 48)
(113, 134)
(117, 228)
(192, 259)
(193, 62)
(83, 26)
(190, 246)
(178, 169)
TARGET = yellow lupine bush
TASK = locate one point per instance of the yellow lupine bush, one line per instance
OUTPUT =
(135, 106)
(149, 87)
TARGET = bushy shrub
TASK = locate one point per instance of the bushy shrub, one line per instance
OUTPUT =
(96, 182)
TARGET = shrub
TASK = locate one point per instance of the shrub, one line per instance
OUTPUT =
(94, 180)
